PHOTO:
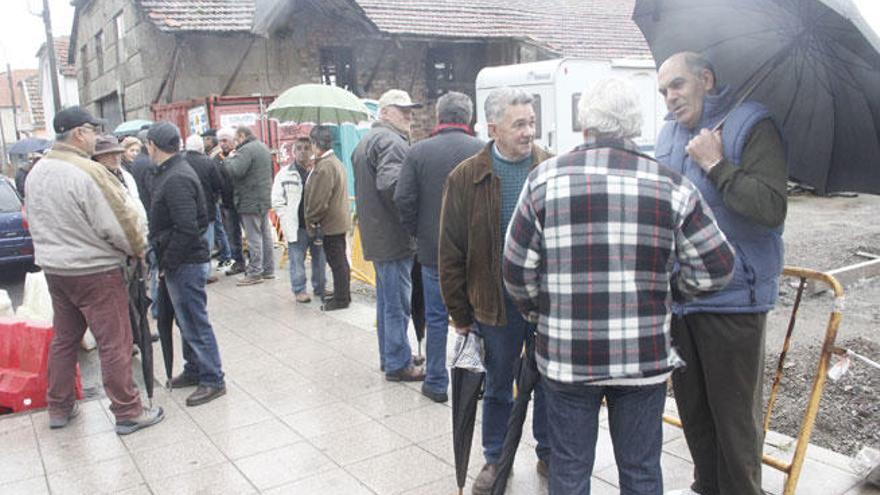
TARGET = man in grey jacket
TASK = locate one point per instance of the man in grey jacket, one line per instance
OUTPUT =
(419, 196)
(376, 162)
(84, 226)
(250, 166)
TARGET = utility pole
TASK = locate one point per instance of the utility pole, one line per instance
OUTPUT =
(5, 159)
(12, 97)
(50, 52)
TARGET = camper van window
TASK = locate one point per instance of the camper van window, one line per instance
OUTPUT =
(537, 104)
(575, 124)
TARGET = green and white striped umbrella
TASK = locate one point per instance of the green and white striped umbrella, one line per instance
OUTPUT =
(318, 104)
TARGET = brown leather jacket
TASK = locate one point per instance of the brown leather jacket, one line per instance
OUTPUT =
(469, 257)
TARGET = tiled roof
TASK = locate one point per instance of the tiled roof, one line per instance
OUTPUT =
(200, 15)
(32, 86)
(18, 76)
(62, 43)
(596, 29)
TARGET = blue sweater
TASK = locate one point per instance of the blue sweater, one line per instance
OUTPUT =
(512, 175)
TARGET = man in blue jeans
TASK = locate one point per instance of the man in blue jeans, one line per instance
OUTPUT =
(588, 256)
(418, 197)
(478, 202)
(287, 201)
(377, 161)
(178, 219)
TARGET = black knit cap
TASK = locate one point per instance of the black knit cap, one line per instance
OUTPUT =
(165, 136)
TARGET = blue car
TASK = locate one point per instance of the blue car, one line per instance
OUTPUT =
(16, 247)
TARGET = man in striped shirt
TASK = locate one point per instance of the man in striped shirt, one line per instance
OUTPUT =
(601, 240)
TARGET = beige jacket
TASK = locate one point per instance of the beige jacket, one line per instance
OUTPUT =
(326, 197)
(81, 219)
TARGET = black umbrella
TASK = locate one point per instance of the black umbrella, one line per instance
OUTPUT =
(418, 309)
(467, 387)
(526, 378)
(165, 324)
(30, 145)
(138, 305)
(814, 63)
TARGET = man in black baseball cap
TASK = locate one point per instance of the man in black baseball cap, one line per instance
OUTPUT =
(77, 127)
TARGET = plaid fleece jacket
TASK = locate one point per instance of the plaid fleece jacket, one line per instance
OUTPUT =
(599, 238)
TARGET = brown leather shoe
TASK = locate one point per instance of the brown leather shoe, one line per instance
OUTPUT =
(410, 374)
(485, 480)
(205, 394)
(302, 297)
(183, 380)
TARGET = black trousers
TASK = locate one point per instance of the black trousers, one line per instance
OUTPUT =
(334, 249)
(720, 399)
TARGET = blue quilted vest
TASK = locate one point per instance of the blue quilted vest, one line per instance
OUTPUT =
(759, 250)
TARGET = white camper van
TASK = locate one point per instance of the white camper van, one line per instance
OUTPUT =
(557, 86)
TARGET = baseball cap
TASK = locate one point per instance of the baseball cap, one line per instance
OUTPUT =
(73, 117)
(210, 133)
(397, 98)
(165, 136)
(107, 144)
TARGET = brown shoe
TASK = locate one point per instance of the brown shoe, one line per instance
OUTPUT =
(249, 280)
(410, 374)
(485, 480)
(205, 394)
(212, 279)
(302, 297)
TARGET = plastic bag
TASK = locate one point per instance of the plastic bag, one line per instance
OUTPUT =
(36, 303)
(468, 352)
(839, 368)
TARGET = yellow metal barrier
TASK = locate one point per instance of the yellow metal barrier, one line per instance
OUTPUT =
(793, 469)
(361, 269)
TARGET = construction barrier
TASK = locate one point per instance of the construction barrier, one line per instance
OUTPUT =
(24, 360)
(792, 470)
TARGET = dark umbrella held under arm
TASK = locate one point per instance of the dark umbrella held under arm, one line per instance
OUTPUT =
(138, 305)
(467, 384)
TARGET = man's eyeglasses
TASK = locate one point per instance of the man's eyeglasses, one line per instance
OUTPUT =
(90, 127)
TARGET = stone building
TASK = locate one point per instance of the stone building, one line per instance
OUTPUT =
(131, 54)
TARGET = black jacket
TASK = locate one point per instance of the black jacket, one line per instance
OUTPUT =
(209, 176)
(178, 215)
(142, 169)
(419, 193)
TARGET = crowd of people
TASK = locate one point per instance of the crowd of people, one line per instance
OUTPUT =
(617, 269)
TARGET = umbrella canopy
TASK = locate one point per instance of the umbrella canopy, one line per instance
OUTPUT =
(526, 378)
(165, 325)
(467, 376)
(814, 63)
(131, 127)
(138, 305)
(319, 104)
(30, 145)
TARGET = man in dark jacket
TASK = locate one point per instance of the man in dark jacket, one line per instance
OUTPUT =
(478, 203)
(418, 198)
(178, 218)
(377, 161)
(250, 166)
(209, 177)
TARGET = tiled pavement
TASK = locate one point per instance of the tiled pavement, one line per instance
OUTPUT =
(307, 411)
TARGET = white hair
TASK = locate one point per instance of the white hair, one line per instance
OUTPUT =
(195, 143)
(226, 132)
(611, 108)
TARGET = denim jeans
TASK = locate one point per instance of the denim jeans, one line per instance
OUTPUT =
(186, 286)
(635, 419)
(296, 252)
(502, 345)
(436, 331)
(393, 291)
(260, 243)
(208, 237)
(233, 233)
(220, 235)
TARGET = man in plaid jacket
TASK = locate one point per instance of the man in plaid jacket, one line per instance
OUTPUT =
(601, 240)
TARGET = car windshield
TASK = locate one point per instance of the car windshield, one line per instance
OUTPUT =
(9, 201)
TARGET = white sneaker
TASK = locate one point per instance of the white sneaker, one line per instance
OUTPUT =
(683, 491)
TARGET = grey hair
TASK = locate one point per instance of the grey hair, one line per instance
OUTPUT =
(244, 131)
(697, 63)
(226, 133)
(454, 108)
(195, 143)
(322, 137)
(64, 136)
(500, 99)
(611, 108)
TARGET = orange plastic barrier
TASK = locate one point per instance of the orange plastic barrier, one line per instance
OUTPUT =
(24, 360)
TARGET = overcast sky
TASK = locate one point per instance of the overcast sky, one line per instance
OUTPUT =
(21, 33)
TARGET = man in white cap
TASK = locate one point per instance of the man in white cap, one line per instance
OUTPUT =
(377, 162)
